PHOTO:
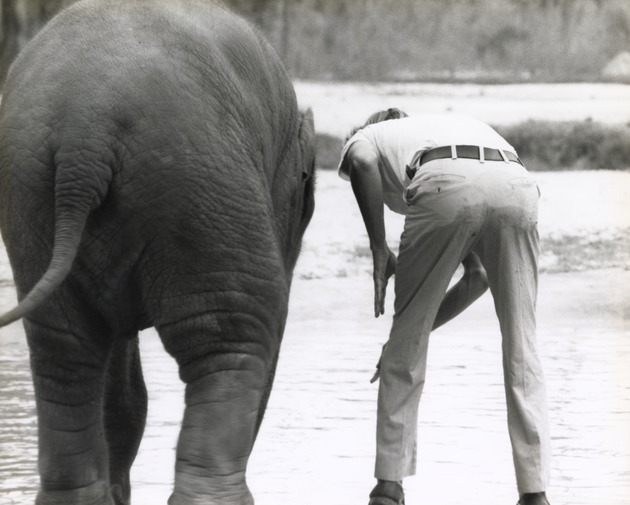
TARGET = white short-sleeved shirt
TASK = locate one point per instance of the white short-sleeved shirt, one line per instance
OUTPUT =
(397, 141)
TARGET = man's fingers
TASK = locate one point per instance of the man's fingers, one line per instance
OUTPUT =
(377, 303)
(380, 289)
(384, 268)
(377, 298)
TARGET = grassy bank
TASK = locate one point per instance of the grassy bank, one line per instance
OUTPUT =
(542, 145)
(586, 145)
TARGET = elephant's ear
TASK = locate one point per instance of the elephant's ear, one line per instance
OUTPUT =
(306, 134)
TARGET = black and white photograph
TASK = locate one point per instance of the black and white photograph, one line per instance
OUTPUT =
(296, 252)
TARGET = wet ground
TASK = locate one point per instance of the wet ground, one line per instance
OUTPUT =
(316, 444)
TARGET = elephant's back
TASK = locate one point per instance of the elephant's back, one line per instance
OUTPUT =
(156, 74)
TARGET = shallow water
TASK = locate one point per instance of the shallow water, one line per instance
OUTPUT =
(316, 443)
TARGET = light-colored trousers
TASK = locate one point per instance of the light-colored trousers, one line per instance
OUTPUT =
(455, 207)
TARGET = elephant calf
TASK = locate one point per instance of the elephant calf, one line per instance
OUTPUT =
(154, 171)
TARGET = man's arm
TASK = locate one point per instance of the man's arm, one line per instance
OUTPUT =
(469, 288)
(366, 183)
(365, 178)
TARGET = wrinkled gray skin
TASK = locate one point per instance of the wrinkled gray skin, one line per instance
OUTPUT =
(157, 144)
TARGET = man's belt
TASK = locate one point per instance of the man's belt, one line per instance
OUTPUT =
(470, 152)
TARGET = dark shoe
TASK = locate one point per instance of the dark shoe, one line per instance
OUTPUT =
(533, 499)
(387, 492)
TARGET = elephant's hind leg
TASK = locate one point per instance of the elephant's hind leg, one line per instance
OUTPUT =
(68, 377)
(125, 414)
(225, 376)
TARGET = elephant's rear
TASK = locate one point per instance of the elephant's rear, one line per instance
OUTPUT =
(176, 118)
(167, 134)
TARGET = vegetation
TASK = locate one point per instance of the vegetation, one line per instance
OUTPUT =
(551, 145)
(542, 145)
(328, 151)
(437, 40)
(461, 40)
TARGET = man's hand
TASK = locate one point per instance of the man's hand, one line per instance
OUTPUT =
(384, 268)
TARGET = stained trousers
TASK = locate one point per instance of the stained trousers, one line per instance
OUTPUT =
(455, 207)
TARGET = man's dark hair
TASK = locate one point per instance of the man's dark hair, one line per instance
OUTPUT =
(377, 117)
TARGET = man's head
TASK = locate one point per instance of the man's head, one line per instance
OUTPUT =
(377, 117)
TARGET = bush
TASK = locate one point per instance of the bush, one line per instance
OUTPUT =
(328, 151)
(542, 145)
(549, 145)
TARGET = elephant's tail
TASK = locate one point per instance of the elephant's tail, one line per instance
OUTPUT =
(67, 238)
(73, 205)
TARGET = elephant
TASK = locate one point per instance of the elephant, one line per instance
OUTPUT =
(155, 171)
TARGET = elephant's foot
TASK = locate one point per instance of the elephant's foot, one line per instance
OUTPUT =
(95, 494)
(245, 498)
(195, 489)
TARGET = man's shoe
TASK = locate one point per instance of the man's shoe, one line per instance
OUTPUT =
(387, 492)
(533, 499)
